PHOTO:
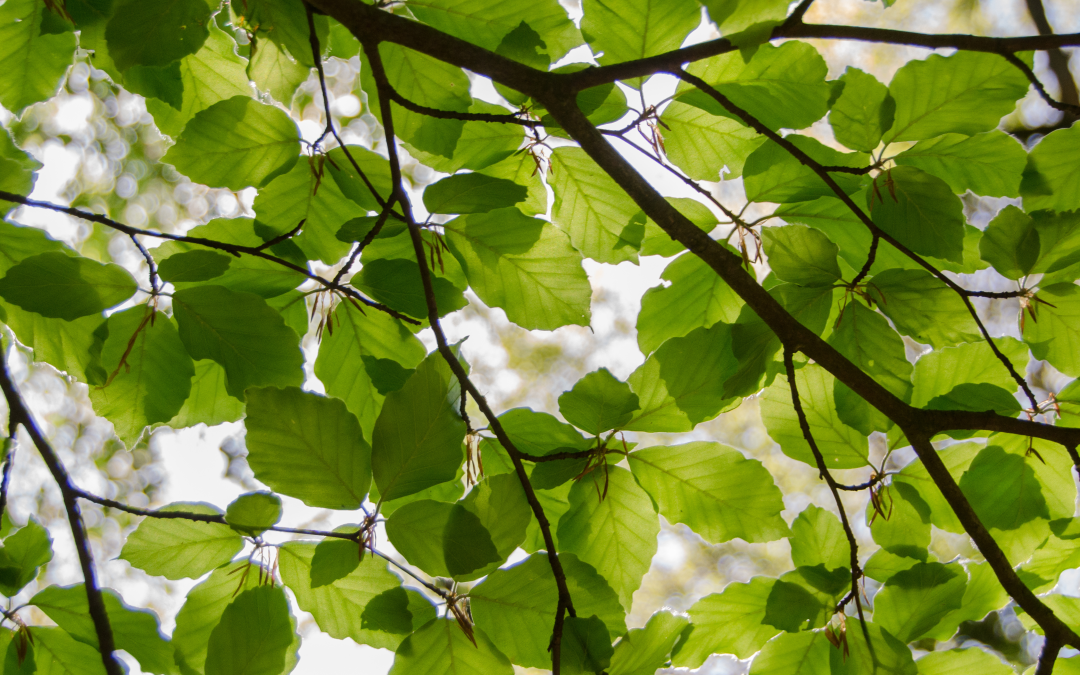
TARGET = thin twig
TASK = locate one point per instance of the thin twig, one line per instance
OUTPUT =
(1066, 108)
(155, 285)
(18, 413)
(796, 16)
(1059, 60)
(316, 55)
(281, 237)
(565, 604)
(368, 238)
(871, 255)
(853, 546)
(233, 249)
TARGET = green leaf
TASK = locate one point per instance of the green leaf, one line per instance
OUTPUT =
(703, 145)
(368, 604)
(516, 605)
(60, 286)
(906, 531)
(1054, 476)
(524, 266)
(1050, 179)
(713, 489)
(254, 636)
(134, 630)
(793, 654)
(375, 167)
(472, 193)
(922, 307)
(684, 382)
(246, 273)
(731, 622)
(32, 64)
(305, 195)
(1008, 499)
(644, 650)
(274, 71)
(350, 359)
(863, 112)
(149, 372)
(538, 433)
(696, 297)
(241, 333)
(16, 660)
(176, 548)
(57, 652)
(426, 81)
(156, 33)
(840, 445)
(586, 646)
(938, 372)
(977, 398)
(500, 504)
(960, 661)
(193, 266)
(307, 446)
(22, 242)
(772, 174)
(865, 338)
(920, 211)
(611, 525)
(398, 284)
(482, 144)
(915, 600)
(23, 553)
(600, 218)
(1055, 336)
(1011, 243)
(598, 402)
(202, 612)
(253, 513)
(625, 31)
(883, 654)
(65, 345)
(334, 559)
(783, 86)
(212, 74)
(488, 22)
(522, 169)
(209, 403)
(734, 16)
(965, 93)
(800, 255)
(988, 164)
(817, 538)
(657, 242)
(417, 439)
(284, 23)
(441, 539)
(442, 648)
(236, 143)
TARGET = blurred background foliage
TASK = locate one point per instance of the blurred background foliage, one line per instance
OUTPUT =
(100, 145)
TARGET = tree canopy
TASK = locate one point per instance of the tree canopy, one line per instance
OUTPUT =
(853, 311)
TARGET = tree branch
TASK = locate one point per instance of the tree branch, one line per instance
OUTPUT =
(19, 414)
(565, 604)
(1049, 655)
(823, 174)
(987, 545)
(233, 249)
(361, 18)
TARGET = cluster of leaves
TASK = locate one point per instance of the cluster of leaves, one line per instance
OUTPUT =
(858, 245)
